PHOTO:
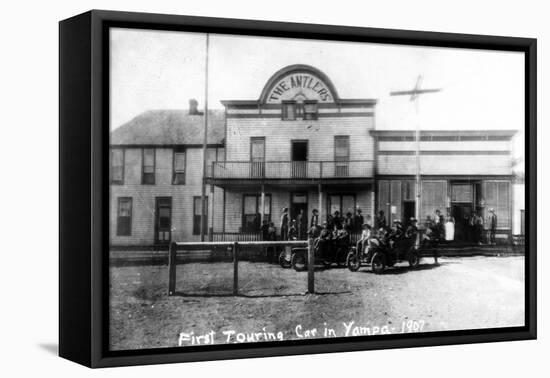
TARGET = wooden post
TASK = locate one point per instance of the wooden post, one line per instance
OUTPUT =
(235, 268)
(172, 268)
(320, 205)
(262, 204)
(310, 266)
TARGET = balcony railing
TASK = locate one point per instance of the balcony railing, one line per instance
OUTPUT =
(291, 169)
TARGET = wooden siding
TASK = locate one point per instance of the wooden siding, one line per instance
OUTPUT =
(320, 134)
(143, 196)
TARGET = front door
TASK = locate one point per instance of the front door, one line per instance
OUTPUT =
(408, 211)
(298, 212)
(163, 220)
(299, 158)
(462, 214)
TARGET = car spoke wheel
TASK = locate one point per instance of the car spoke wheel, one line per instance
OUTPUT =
(353, 262)
(299, 262)
(284, 261)
(414, 259)
(378, 264)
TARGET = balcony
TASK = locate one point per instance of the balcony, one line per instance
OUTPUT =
(295, 171)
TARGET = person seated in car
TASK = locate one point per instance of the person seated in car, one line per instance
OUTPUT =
(365, 237)
(324, 239)
(412, 229)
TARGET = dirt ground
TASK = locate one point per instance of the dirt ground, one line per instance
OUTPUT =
(459, 293)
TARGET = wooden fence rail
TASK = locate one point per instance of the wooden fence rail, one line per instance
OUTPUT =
(182, 246)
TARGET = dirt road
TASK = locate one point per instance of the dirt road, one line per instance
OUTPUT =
(459, 293)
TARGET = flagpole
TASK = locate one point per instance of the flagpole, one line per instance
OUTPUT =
(204, 142)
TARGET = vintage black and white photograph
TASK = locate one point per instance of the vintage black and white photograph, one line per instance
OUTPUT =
(269, 189)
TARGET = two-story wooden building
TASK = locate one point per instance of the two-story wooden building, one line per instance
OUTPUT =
(298, 146)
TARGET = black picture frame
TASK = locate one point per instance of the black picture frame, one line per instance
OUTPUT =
(84, 186)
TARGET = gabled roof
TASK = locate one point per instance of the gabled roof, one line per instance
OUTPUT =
(170, 127)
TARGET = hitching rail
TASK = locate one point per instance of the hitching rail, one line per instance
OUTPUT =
(182, 246)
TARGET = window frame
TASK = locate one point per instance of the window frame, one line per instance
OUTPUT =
(118, 216)
(111, 179)
(176, 151)
(197, 224)
(284, 112)
(258, 197)
(344, 158)
(315, 114)
(143, 173)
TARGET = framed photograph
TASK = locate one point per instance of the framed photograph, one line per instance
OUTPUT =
(234, 188)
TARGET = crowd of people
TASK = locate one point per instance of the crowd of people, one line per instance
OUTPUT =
(438, 225)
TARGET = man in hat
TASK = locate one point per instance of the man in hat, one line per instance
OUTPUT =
(358, 220)
(314, 218)
(380, 220)
(284, 224)
(412, 229)
(492, 226)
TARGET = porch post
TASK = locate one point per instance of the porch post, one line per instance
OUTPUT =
(262, 202)
(211, 211)
(373, 203)
(320, 204)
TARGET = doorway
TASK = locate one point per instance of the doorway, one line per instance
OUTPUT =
(298, 155)
(462, 213)
(163, 220)
(408, 211)
(298, 212)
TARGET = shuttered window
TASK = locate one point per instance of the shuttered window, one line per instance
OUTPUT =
(434, 197)
(497, 197)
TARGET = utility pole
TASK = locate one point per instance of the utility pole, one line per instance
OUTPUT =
(414, 96)
(204, 143)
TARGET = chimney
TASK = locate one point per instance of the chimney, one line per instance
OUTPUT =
(193, 107)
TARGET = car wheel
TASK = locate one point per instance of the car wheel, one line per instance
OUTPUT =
(298, 262)
(353, 261)
(377, 263)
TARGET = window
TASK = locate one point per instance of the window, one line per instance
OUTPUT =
(124, 217)
(251, 211)
(257, 156)
(341, 155)
(310, 110)
(197, 211)
(148, 166)
(163, 220)
(497, 196)
(289, 110)
(117, 166)
(343, 203)
(178, 174)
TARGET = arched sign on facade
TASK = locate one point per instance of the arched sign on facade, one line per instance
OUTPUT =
(298, 83)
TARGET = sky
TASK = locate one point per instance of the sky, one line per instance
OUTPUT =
(480, 89)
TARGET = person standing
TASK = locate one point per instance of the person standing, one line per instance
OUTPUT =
(449, 227)
(348, 222)
(492, 226)
(301, 221)
(265, 230)
(337, 221)
(284, 224)
(358, 221)
(314, 218)
(381, 220)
